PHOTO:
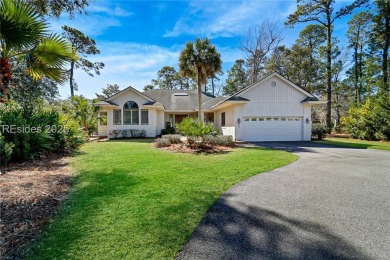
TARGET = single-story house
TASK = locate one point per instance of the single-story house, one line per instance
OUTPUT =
(272, 109)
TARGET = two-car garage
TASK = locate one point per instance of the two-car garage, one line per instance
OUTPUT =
(272, 128)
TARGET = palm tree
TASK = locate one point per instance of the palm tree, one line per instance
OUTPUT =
(202, 60)
(24, 39)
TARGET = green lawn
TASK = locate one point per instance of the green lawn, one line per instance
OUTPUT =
(357, 143)
(133, 201)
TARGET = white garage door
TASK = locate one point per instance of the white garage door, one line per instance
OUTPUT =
(272, 129)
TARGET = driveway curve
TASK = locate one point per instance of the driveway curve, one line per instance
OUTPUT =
(332, 203)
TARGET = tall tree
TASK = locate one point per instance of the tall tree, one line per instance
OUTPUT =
(322, 11)
(381, 38)
(259, 42)
(108, 91)
(148, 87)
(24, 38)
(166, 78)
(200, 58)
(54, 8)
(358, 36)
(82, 45)
(236, 78)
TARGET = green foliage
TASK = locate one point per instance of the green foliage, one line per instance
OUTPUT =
(108, 91)
(38, 132)
(194, 128)
(162, 142)
(200, 59)
(54, 8)
(83, 45)
(236, 79)
(5, 150)
(318, 131)
(220, 140)
(173, 139)
(24, 40)
(83, 111)
(169, 130)
(371, 121)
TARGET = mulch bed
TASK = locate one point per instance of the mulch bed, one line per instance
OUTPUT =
(30, 194)
(181, 148)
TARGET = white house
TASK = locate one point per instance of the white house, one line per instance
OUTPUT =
(272, 109)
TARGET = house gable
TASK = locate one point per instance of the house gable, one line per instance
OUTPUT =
(274, 96)
(130, 94)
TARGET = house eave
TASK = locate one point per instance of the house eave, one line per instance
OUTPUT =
(320, 102)
(227, 103)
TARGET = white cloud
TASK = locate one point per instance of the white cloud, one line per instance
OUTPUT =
(226, 18)
(134, 64)
(126, 64)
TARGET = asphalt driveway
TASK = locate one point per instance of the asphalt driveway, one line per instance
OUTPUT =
(332, 203)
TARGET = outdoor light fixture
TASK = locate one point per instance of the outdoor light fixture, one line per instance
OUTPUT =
(238, 121)
(307, 120)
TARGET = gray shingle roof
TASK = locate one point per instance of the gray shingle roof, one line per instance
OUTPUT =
(309, 99)
(174, 99)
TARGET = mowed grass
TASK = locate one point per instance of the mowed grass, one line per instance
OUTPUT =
(356, 143)
(133, 201)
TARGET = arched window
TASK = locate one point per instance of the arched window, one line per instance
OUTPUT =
(130, 113)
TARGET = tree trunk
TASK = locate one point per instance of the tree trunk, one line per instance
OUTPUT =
(212, 84)
(329, 75)
(357, 94)
(71, 79)
(386, 49)
(200, 118)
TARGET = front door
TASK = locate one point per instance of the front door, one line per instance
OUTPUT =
(179, 118)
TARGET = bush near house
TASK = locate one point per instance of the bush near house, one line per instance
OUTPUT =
(318, 131)
(128, 133)
(219, 140)
(173, 139)
(193, 127)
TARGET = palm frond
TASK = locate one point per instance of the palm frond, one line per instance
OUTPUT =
(21, 25)
(49, 58)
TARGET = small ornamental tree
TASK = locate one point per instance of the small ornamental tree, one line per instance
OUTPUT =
(193, 128)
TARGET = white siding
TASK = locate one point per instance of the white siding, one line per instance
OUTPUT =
(266, 100)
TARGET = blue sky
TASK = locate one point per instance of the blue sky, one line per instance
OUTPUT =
(137, 38)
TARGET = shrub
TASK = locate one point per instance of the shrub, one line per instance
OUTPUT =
(116, 133)
(173, 139)
(371, 121)
(136, 133)
(34, 133)
(128, 133)
(169, 130)
(318, 131)
(5, 151)
(221, 140)
(193, 127)
(161, 142)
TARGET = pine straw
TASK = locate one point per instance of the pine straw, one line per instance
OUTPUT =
(30, 194)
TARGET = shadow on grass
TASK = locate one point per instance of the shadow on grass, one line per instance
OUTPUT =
(258, 233)
(79, 212)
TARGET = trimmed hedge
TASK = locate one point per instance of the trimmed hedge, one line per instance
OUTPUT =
(221, 140)
(128, 133)
(173, 139)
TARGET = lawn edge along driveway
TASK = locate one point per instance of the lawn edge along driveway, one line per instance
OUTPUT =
(356, 143)
(133, 201)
